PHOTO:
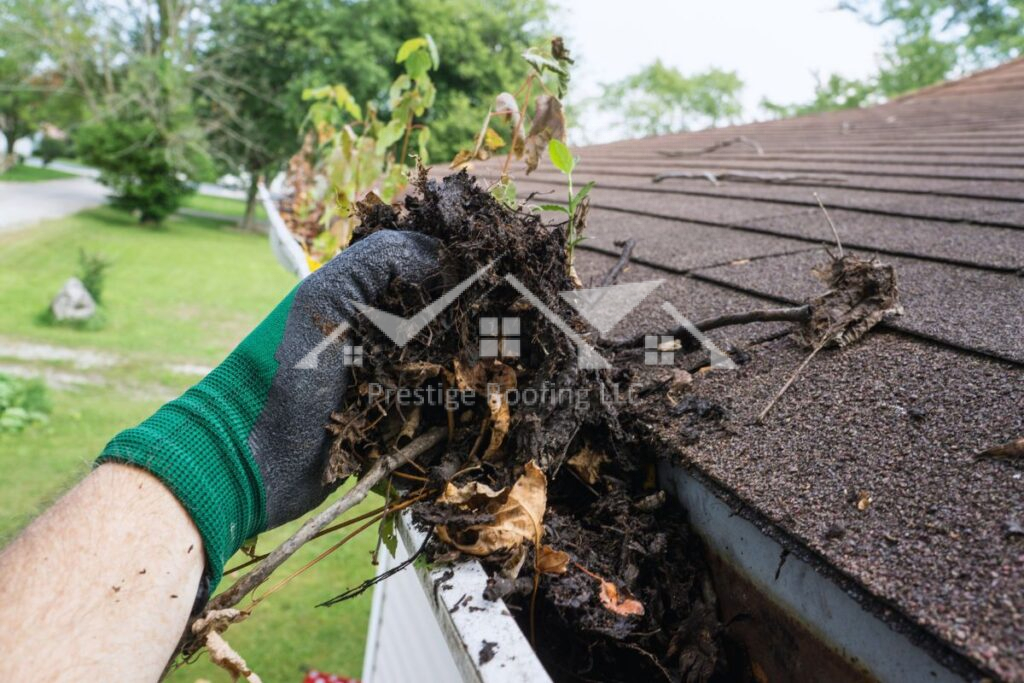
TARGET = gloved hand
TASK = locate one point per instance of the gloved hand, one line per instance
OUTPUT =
(245, 449)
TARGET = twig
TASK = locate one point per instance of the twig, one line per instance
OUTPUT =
(370, 583)
(741, 140)
(792, 378)
(742, 176)
(380, 469)
(613, 275)
(760, 315)
(832, 225)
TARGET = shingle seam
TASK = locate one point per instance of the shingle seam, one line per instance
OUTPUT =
(739, 227)
(797, 202)
(696, 274)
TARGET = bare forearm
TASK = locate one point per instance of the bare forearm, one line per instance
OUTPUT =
(100, 586)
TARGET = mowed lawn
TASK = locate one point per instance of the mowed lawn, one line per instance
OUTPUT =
(32, 174)
(183, 294)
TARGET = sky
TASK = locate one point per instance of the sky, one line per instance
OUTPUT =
(774, 46)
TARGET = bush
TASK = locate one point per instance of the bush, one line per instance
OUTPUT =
(92, 270)
(133, 162)
(51, 148)
(22, 403)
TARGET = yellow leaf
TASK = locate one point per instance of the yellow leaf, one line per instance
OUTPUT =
(492, 140)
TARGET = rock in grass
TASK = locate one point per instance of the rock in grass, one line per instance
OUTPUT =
(73, 302)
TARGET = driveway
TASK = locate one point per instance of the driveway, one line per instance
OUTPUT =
(26, 203)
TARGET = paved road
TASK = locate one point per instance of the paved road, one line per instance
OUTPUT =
(26, 203)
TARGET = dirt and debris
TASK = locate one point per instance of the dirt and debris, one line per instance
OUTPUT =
(544, 476)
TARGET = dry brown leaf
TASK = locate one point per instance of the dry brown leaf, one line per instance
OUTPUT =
(587, 464)
(224, 656)
(614, 602)
(551, 561)
(409, 427)
(502, 380)
(474, 495)
(518, 514)
(470, 377)
(548, 123)
(1012, 449)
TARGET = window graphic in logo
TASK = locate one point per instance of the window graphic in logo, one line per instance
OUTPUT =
(659, 350)
(499, 337)
(352, 356)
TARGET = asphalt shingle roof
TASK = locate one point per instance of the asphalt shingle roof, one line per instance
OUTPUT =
(934, 184)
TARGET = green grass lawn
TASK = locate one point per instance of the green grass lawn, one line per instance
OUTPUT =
(222, 205)
(184, 293)
(31, 174)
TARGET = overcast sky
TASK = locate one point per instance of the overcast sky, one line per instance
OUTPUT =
(775, 47)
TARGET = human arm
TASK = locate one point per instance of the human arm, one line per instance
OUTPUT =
(100, 586)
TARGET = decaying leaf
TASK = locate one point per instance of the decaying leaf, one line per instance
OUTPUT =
(208, 630)
(610, 597)
(473, 495)
(862, 292)
(224, 656)
(492, 140)
(409, 427)
(548, 123)
(587, 464)
(501, 382)
(1011, 449)
(506, 107)
(518, 514)
(494, 380)
(613, 601)
(551, 561)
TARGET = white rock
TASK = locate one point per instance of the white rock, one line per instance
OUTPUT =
(73, 302)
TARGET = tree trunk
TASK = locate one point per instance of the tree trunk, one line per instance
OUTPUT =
(248, 221)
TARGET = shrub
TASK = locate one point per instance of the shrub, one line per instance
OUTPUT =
(51, 148)
(22, 403)
(92, 270)
(133, 162)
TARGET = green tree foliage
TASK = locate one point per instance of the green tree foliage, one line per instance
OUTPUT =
(262, 56)
(835, 92)
(659, 99)
(929, 41)
(146, 143)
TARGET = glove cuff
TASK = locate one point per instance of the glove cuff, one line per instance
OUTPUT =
(197, 445)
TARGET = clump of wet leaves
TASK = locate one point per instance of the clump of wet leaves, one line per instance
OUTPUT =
(546, 492)
(862, 292)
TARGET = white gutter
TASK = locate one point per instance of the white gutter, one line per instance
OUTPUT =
(284, 245)
(434, 624)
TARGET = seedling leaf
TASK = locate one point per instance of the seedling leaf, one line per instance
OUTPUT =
(560, 156)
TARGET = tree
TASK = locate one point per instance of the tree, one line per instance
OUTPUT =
(930, 41)
(833, 93)
(261, 56)
(659, 99)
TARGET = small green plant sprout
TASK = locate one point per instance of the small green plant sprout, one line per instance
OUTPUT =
(576, 208)
(353, 154)
(549, 72)
(92, 269)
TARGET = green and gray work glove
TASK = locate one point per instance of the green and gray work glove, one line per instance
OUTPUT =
(245, 449)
